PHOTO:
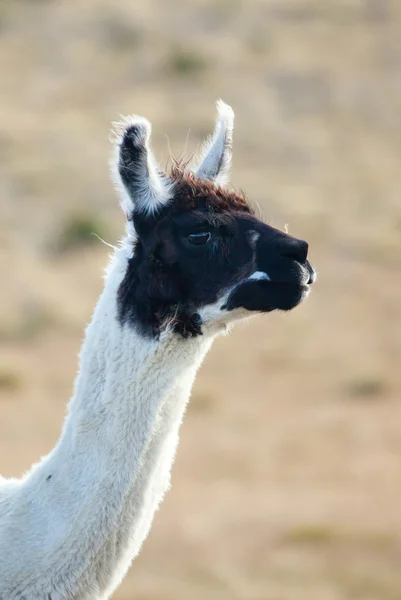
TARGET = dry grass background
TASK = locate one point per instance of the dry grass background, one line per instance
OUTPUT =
(287, 483)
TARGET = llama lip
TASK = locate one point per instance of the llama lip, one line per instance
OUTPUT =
(263, 295)
(310, 273)
(312, 277)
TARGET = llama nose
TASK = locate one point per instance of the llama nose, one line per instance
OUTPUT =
(293, 248)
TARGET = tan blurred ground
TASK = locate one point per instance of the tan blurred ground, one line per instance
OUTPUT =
(287, 484)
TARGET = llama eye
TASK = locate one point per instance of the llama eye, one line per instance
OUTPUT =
(199, 239)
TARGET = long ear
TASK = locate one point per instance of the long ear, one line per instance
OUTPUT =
(216, 156)
(142, 185)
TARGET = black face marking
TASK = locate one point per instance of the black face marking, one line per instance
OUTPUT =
(170, 278)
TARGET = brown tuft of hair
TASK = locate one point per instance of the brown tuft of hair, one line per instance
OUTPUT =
(190, 192)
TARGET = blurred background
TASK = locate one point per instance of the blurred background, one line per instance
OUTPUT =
(287, 483)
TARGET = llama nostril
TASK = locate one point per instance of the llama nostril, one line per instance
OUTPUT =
(295, 249)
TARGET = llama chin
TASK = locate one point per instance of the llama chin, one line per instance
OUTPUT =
(194, 261)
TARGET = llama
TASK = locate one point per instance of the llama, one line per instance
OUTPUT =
(194, 260)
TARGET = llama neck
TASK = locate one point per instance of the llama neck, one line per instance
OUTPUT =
(94, 496)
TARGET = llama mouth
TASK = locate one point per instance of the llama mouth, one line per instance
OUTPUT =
(265, 295)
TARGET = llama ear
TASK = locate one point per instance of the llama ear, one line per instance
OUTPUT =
(216, 156)
(142, 185)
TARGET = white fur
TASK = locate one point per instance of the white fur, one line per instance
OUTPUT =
(258, 275)
(217, 319)
(75, 535)
(215, 163)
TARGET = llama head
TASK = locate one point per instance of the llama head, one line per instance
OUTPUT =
(199, 258)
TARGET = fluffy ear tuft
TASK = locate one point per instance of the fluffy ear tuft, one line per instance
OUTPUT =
(216, 155)
(142, 185)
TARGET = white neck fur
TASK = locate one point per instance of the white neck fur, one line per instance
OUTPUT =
(79, 517)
